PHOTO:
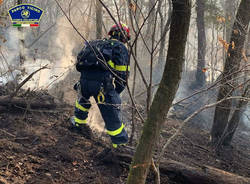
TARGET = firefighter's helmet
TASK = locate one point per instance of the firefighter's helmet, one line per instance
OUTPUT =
(120, 32)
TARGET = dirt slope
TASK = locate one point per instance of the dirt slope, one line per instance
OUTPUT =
(41, 149)
(38, 147)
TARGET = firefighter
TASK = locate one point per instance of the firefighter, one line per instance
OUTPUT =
(105, 86)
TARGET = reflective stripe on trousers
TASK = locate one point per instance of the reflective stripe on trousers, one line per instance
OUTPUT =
(82, 107)
(110, 109)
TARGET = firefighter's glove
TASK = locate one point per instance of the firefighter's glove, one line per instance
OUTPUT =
(119, 86)
(108, 83)
(77, 86)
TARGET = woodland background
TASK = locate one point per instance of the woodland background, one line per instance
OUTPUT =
(208, 48)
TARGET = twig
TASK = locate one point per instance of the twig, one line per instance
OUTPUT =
(7, 133)
(26, 80)
(134, 104)
(196, 145)
(69, 8)
(141, 93)
(156, 171)
(41, 35)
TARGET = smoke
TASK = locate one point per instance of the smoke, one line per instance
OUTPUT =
(60, 58)
(246, 117)
(186, 108)
(55, 49)
(9, 56)
(95, 119)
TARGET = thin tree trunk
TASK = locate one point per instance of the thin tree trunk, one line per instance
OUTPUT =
(151, 18)
(229, 13)
(234, 121)
(159, 67)
(212, 48)
(248, 43)
(21, 41)
(88, 21)
(222, 111)
(133, 16)
(98, 20)
(165, 94)
(200, 75)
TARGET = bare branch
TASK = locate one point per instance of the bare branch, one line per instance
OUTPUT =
(26, 80)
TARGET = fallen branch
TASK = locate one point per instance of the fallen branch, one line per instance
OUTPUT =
(183, 173)
(24, 102)
(25, 80)
(5, 132)
(178, 171)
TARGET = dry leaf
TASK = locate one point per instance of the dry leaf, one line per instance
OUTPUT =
(241, 86)
(132, 6)
(1, 1)
(243, 52)
(224, 43)
(233, 45)
(221, 19)
(236, 31)
(204, 70)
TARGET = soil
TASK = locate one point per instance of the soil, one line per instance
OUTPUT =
(38, 147)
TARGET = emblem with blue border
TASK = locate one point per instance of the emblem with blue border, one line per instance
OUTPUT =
(25, 15)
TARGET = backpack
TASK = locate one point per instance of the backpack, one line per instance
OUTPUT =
(94, 55)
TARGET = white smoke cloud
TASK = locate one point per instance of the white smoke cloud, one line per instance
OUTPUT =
(246, 116)
(10, 51)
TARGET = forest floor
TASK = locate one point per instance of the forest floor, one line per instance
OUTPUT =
(39, 147)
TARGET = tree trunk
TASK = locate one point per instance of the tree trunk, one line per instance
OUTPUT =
(248, 43)
(234, 121)
(165, 94)
(238, 36)
(159, 66)
(200, 75)
(21, 41)
(230, 7)
(98, 20)
(151, 18)
(88, 21)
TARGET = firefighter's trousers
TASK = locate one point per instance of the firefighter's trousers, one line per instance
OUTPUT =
(108, 101)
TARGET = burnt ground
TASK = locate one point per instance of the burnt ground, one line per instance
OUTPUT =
(38, 147)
